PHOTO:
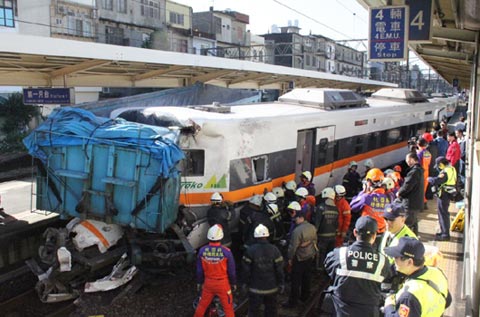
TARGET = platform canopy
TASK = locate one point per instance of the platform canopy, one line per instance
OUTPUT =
(32, 61)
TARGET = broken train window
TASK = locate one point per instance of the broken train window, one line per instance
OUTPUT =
(260, 168)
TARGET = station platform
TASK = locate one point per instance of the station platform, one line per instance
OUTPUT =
(452, 263)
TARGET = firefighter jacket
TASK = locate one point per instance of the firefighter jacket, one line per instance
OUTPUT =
(310, 187)
(391, 240)
(220, 215)
(215, 262)
(326, 219)
(344, 215)
(303, 242)
(412, 192)
(357, 272)
(372, 204)
(424, 294)
(263, 268)
(352, 183)
(253, 220)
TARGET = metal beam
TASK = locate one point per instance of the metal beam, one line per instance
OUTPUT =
(247, 78)
(86, 65)
(157, 72)
(454, 35)
(211, 75)
(445, 54)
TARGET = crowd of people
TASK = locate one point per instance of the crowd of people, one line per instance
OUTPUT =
(361, 235)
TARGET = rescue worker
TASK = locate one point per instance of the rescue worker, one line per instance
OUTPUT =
(445, 183)
(344, 215)
(300, 255)
(293, 209)
(352, 181)
(301, 196)
(368, 166)
(424, 159)
(260, 216)
(389, 186)
(356, 272)
(290, 188)
(254, 205)
(276, 218)
(425, 291)
(372, 201)
(411, 193)
(263, 274)
(326, 223)
(219, 214)
(280, 194)
(215, 273)
(306, 182)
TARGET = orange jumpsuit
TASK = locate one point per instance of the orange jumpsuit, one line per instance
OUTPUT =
(424, 158)
(344, 217)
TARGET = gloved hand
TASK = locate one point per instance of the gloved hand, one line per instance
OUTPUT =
(281, 289)
(199, 287)
(431, 180)
(390, 300)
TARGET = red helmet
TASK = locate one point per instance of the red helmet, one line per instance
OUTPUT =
(397, 168)
(375, 175)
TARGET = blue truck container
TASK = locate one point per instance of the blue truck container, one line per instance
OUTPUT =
(111, 170)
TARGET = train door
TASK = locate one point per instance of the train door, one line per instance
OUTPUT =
(314, 148)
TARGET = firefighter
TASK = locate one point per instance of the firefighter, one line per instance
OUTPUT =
(445, 183)
(425, 290)
(256, 217)
(372, 201)
(368, 164)
(306, 182)
(389, 186)
(357, 272)
(263, 274)
(344, 215)
(215, 273)
(219, 214)
(352, 181)
(301, 195)
(326, 223)
(300, 255)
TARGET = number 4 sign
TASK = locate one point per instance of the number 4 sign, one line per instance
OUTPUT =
(420, 21)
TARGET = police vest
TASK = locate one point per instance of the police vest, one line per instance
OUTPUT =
(450, 184)
(327, 222)
(430, 289)
(361, 264)
(391, 240)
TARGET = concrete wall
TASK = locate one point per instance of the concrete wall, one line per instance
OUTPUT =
(37, 13)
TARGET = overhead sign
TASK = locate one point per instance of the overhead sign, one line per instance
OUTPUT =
(388, 34)
(420, 21)
(50, 96)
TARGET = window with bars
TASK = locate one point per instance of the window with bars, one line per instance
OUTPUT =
(7, 14)
(150, 9)
(176, 18)
(107, 4)
(122, 6)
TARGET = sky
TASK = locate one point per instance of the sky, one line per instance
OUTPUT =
(336, 19)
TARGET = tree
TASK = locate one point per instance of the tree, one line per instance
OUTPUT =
(16, 117)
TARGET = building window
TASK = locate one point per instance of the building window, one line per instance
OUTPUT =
(122, 6)
(87, 29)
(180, 45)
(218, 25)
(114, 35)
(176, 18)
(107, 4)
(7, 13)
(149, 9)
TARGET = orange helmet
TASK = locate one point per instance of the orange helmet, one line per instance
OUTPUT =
(375, 175)
(397, 168)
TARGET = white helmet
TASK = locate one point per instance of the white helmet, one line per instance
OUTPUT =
(270, 198)
(352, 163)
(215, 233)
(368, 163)
(388, 171)
(294, 206)
(261, 232)
(389, 183)
(302, 192)
(340, 190)
(307, 175)
(278, 191)
(328, 192)
(256, 200)
(272, 209)
(216, 197)
(291, 185)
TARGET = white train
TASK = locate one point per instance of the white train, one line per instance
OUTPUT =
(246, 149)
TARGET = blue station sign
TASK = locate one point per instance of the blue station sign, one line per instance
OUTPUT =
(388, 34)
(51, 96)
(420, 21)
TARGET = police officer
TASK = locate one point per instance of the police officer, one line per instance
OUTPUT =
(300, 255)
(215, 273)
(446, 184)
(357, 272)
(395, 216)
(425, 291)
(219, 214)
(263, 274)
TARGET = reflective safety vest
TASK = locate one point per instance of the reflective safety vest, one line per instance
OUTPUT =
(373, 269)
(450, 185)
(430, 289)
(391, 240)
(327, 220)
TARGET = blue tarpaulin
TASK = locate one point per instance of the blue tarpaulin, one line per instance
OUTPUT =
(72, 127)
